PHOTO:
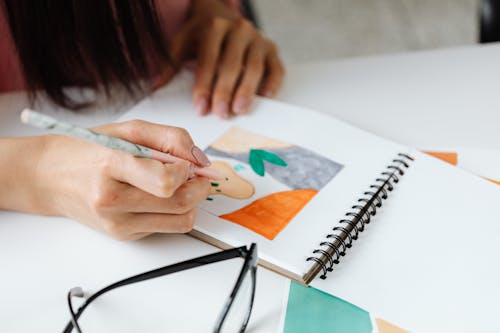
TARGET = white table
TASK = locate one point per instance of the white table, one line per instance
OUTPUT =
(436, 100)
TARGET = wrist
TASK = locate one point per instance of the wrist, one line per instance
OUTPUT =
(42, 177)
(21, 179)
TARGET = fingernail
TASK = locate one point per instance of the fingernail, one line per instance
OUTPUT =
(222, 110)
(241, 105)
(200, 156)
(200, 105)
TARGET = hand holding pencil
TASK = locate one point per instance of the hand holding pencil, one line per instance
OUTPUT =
(39, 120)
(129, 191)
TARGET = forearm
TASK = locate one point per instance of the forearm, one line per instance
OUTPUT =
(19, 186)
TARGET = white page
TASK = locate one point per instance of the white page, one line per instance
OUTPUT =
(429, 261)
(363, 156)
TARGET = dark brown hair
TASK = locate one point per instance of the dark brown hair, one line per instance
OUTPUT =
(90, 43)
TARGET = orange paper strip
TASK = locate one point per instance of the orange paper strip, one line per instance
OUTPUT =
(386, 327)
(449, 157)
(493, 181)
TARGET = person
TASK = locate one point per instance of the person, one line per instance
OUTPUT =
(48, 45)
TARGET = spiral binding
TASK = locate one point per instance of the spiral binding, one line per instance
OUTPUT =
(343, 235)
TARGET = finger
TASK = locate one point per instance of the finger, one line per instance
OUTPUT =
(187, 197)
(181, 43)
(180, 49)
(168, 139)
(131, 226)
(275, 72)
(166, 74)
(136, 236)
(163, 223)
(208, 56)
(149, 175)
(119, 229)
(230, 67)
(254, 70)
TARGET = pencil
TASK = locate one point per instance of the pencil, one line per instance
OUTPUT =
(39, 120)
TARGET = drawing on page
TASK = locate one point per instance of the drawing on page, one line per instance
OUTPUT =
(272, 180)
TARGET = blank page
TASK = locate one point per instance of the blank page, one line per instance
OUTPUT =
(428, 261)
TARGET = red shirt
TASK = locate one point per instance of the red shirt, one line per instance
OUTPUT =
(11, 77)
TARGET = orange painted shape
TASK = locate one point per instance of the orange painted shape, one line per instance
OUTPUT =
(269, 215)
(449, 157)
(386, 327)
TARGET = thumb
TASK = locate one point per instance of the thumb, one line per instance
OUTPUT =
(167, 139)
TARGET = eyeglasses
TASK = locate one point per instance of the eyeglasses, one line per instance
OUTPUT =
(233, 317)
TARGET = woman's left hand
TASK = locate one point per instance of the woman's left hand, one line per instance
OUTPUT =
(234, 61)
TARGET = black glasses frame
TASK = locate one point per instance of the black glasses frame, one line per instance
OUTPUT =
(250, 264)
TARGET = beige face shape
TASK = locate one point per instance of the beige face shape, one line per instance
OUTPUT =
(231, 185)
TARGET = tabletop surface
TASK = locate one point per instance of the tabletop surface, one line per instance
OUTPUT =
(433, 99)
(439, 99)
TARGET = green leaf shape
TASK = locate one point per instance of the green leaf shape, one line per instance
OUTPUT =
(272, 158)
(258, 156)
(256, 162)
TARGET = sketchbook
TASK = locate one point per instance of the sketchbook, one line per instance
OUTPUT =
(371, 221)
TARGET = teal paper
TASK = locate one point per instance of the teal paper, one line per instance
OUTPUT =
(312, 311)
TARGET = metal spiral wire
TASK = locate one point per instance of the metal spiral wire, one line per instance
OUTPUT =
(342, 237)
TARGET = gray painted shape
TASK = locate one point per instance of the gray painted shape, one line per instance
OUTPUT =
(305, 170)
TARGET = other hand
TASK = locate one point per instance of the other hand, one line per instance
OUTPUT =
(234, 61)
